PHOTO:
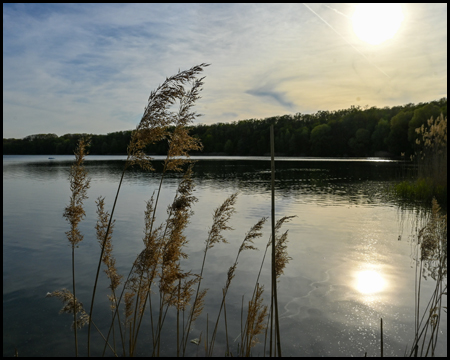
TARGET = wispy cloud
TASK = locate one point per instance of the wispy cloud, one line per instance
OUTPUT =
(90, 67)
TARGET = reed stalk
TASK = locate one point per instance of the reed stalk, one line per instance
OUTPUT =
(220, 219)
(153, 127)
(431, 262)
(282, 259)
(108, 259)
(163, 252)
(74, 213)
(255, 321)
(247, 244)
(226, 328)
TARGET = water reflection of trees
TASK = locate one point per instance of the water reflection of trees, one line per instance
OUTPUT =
(361, 182)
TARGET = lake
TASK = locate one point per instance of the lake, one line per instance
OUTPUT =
(351, 246)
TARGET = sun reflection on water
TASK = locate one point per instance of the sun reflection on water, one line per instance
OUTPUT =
(369, 282)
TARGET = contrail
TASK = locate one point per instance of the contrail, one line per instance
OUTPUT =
(337, 11)
(359, 52)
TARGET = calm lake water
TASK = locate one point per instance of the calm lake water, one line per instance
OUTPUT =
(351, 248)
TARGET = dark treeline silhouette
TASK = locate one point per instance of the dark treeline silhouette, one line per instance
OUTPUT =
(388, 131)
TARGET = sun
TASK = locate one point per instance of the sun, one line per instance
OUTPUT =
(376, 23)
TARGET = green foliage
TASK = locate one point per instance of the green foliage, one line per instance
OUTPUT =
(229, 147)
(397, 140)
(380, 135)
(431, 157)
(360, 144)
(347, 132)
(422, 190)
(320, 139)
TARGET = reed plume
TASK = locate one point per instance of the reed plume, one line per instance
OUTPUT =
(154, 127)
(257, 312)
(432, 157)
(281, 259)
(108, 259)
(281, 254)
(221, 217)
(74, 213)
(79, 183)
(247, 244)
(71, 306)
(157, 117)
(179, 213)
(159, 264)
(172, 242)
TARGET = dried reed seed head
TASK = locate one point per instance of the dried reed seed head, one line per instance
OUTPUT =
(255, 232)
(230, 274)
(128, 305)
(180, 143)
(278, 225)
(179, 214)
(281, 254)
(220, 218)
(157, 118)
(169, 287)
(184, 199)
(81, 149)
(435, 134)
(79, 183)
(257, 313)
(185, 291)
(107, 258)
(67, 298)
(284, 219)
(151, 255)
(102, 225)
(151, 235)
(199, 305)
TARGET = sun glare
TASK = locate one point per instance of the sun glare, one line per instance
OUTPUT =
(369, 282)
(376, 23)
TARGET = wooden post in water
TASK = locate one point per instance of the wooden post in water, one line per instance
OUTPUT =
(381, 337)
(274, 276)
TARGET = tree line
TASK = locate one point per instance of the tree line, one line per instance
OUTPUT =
(359, 132)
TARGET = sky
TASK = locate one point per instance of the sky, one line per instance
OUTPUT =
(89, 68)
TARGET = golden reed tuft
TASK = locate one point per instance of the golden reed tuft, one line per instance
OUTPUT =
(156, 274)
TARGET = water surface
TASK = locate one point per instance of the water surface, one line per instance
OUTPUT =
(350, 247)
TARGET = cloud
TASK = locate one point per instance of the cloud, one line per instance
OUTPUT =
(278, 97)
(230, 114)
(90, 67)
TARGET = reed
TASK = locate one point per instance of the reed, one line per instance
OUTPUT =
(431, 262)
(74, 213)
(282, 258)
(108, 259)
(431, 159)
(156, 280)
(220, 219)
(257, 313)
(247, 244)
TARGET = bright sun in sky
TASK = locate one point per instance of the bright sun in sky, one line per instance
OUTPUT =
(376, 23)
